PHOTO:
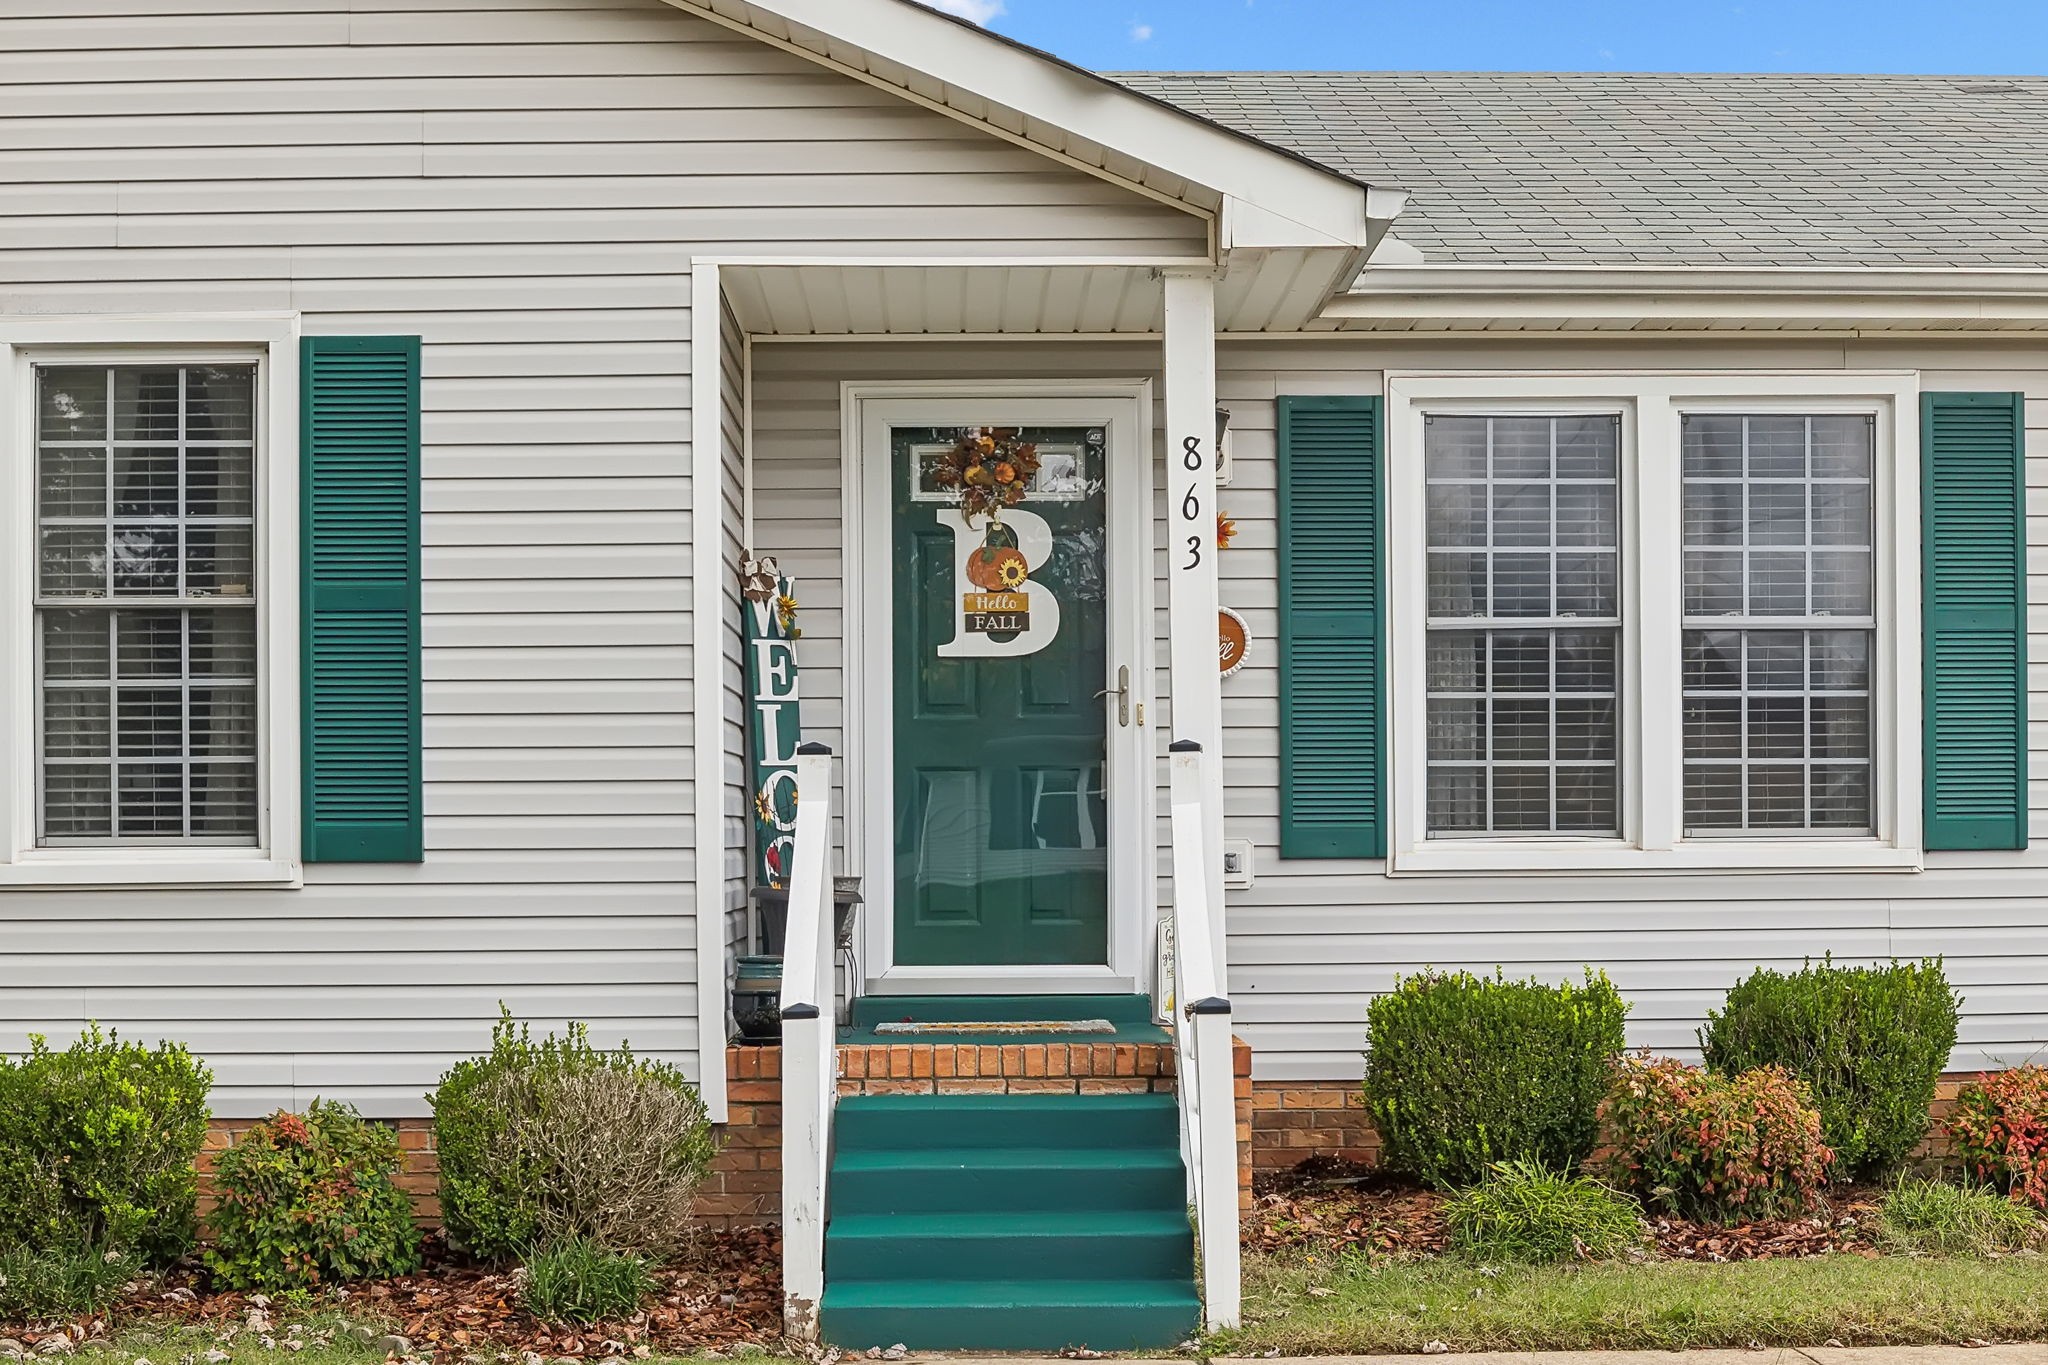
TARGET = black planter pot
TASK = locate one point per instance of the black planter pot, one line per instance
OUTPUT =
(773, 904)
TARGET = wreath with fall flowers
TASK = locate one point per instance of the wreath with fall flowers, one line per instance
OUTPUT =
(990, 466)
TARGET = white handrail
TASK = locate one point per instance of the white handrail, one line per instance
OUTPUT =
(1207, 1080)
(810, 1058)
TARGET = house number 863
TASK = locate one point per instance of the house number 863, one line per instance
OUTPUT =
(1191, 505)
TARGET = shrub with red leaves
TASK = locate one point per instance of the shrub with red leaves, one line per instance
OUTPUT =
(1704, 1145)
(2000, 1131)
(309, 1199)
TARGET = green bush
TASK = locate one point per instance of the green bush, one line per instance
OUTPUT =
(545, 1143)
(1521, 1212)
(98, 1145)
(1999, 1132)
(1464, 1071)
(1934, 1218)
(579, 1281)
(1869, 1041)
(311, 1199)
(57, 1282)
(1705, 1145)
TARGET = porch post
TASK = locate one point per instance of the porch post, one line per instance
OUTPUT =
(1195, 685)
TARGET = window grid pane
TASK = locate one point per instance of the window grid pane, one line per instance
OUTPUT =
(1778, 628)
(146, 641)
(1523, 716)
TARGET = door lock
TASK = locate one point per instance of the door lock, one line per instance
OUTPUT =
(1122, 693)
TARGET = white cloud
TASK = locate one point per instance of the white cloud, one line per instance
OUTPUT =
(1141, 33)
(975, 11)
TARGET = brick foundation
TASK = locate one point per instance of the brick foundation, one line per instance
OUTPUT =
(745, 1183)
(1279, 1123)
(1293, 1120)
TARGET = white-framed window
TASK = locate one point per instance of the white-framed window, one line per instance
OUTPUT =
(1653, 622)
(148, 647)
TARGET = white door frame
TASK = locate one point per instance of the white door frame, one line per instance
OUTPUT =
(1124, 410)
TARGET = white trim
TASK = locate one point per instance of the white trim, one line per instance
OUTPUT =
(1188, 366)
(1585, 297)
(1662, 278)
(1650, 404)
(707, 682)
(745, 261)
(866, 412)
(271, 341)
(1014, 87)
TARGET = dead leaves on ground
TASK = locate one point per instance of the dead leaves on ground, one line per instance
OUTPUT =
(1334, 1205)
(725, 1292)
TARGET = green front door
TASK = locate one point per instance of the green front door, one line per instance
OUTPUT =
(1001, 820)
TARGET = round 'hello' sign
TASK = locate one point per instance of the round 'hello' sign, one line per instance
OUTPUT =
(1233, 641)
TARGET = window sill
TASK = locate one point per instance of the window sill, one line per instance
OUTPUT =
(87, 869)
(1700, 857)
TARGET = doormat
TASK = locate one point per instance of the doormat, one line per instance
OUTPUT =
(976, 1026)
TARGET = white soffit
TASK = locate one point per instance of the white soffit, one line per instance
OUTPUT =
(1259, 291)
(1071, 113)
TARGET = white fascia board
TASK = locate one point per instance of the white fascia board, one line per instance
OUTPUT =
(1458, 277)
(1326, 208)
(1848, 295)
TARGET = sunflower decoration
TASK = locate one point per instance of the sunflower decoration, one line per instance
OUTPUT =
(764, 804)
(785, 616)
(990, 466)
(1226, 531)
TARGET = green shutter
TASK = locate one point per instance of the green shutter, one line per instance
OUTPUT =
(1974, 586)
(359, 628)
(1333, 752)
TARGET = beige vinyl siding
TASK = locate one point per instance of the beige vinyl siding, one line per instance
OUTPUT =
(1311, 941)
(523, 183)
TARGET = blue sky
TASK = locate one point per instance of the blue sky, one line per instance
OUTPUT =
(2006, 37)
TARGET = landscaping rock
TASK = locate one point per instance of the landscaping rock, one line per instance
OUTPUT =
(10, 1349)
(392, 1344)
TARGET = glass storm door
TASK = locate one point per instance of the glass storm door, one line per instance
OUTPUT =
(1001, 822)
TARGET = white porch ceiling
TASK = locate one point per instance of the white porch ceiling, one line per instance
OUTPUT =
(1258, 291)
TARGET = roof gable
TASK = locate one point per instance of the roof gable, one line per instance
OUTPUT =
(1072, 115)
(1679, 170)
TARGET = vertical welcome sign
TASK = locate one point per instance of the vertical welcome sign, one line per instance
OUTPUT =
(774, 722)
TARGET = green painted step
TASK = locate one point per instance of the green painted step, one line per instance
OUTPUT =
(1010, 1315)
(1010, 1246)
(925, 1122)
(1132, 1015)
(870, 1010)
(1006, 1180)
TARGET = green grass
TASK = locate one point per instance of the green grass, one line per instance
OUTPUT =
(1933, 1218)
(1400, 1306)
(1521, 1212)
(582, 1282)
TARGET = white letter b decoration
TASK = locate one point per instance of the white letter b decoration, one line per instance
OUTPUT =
(1025, 615)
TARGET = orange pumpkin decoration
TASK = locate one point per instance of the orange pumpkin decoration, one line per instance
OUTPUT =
(985, 567)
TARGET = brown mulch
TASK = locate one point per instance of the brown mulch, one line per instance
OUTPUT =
(1340, 1205)
(725, 1291)
(1327, 1203)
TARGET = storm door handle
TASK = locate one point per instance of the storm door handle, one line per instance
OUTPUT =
(1122, 693)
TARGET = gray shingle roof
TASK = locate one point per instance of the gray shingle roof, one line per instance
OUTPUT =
(1729, 170)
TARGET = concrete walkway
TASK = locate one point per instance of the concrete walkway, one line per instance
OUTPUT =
(2030, 1354)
